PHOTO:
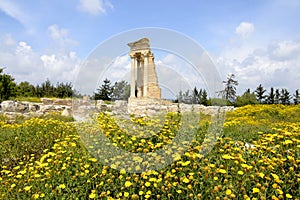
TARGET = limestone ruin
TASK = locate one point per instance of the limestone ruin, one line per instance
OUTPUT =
(144, 82)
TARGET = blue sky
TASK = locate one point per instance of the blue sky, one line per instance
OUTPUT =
(257, 40)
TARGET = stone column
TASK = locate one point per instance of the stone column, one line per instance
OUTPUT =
(145, 92)
(132, 85)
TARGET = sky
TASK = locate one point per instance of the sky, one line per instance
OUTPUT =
(257, 40)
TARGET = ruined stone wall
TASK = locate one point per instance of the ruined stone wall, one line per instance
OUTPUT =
(142, 106)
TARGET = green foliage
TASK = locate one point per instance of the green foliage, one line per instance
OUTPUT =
(277, 96)
(285, 96)
(271, 96)
(31, 136)
(267, 169)
(260, 91)
(218, 102)
(104, 92)
(193, 97)
(25, 89)
(246, 99)
(7, 86)
(296, 97)
(120, 91)
(64, 90)
(229, 92)
(46, 89)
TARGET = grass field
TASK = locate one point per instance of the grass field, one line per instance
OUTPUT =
(256, 157)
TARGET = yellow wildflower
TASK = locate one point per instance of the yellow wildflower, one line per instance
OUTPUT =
(93, 159)
(128, 184)
(92, 195)
(27, 188)
(186, 180)
(147, 184)
(126, 194)
(36, 196)
(279, 191)
(228, 192)
(62, 186)
(255, 190)
(240, 172)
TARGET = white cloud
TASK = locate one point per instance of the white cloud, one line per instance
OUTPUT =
(25, 64)
(284, 49)
(12, 10)
(57, 33)
(65, 67)
(277, 65)
(245, 29)
(94, 7)
(60, 36)
(8, 40)
(118, 70)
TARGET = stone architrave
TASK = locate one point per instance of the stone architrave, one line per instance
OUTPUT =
(144, 82)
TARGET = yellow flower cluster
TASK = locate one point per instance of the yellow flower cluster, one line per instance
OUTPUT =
(257, 157)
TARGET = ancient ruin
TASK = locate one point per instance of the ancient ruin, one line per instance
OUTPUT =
(144, 83)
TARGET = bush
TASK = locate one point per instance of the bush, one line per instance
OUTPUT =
(246, 99)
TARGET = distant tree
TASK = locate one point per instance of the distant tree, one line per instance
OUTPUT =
(229, 92)
(285, 96)
(296, 97)
(25, 89)
(187, 97)
(63, 90)
(38, 91)
(246, 99)
(7, 86)
(179, 97)
(260, 93)
(277, 96)
(203, 99)
(195, 97)
(120, 91)
(104, 92)
(48, 89)
(271, 96)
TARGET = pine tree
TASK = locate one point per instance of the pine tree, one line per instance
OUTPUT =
(271, 96)
(229, 93)
(285, 96)
(195, 99)
(120, 91)
(296, 97)
(277, 96)
(204, 100)
(260, 93)
(104, 91)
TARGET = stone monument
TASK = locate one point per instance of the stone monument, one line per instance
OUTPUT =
(144, 83)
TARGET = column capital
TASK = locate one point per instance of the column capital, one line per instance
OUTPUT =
(132, 55)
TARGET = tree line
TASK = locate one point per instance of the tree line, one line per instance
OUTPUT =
(121, 91)
(9, 89)
(195, 96)
(260, 95)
